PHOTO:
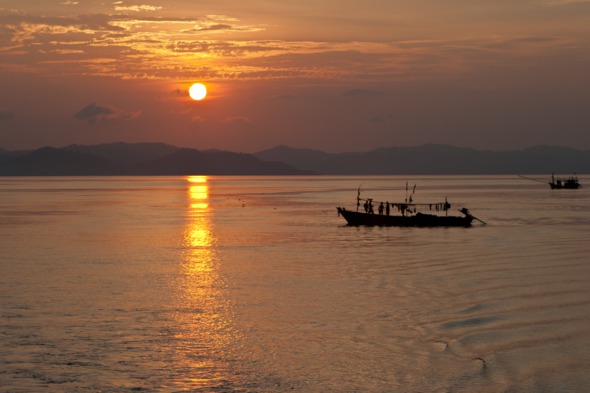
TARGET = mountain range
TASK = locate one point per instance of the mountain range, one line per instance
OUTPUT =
(436, 160)
(143, 159)
(162, 159)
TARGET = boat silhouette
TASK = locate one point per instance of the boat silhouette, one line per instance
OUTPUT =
(409, 214)
(560, 183)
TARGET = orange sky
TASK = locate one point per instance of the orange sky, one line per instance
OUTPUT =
(330, 75)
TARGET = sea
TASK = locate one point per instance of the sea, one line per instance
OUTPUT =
(255, 284)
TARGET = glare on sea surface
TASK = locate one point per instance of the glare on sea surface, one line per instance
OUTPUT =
(201, 317)
(198, 191)
(199, 237)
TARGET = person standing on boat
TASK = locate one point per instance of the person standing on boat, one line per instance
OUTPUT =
(371, 211)
(381, 207)
(366, 206)
(387, 208)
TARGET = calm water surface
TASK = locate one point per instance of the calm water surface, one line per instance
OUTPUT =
(254, 284)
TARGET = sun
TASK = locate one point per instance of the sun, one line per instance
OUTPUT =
(197, 91)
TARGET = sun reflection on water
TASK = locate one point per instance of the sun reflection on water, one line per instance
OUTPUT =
(198, 193)
(203, 317)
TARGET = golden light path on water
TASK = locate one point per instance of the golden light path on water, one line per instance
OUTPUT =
(203, 326)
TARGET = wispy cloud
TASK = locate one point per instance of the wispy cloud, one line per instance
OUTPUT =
(237, 120)
(137, 8)
(67, 51)
(129, 46)
(211, 27)
(564, 2)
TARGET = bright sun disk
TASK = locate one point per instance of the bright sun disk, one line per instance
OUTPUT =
(197, 91)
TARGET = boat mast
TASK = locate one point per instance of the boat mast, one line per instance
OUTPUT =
(358, 198)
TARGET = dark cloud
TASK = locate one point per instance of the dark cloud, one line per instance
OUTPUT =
(380, 119)
(517, 43)
(5, 115)
(93, 113)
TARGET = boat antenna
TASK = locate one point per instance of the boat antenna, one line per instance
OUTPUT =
(468, 214)
(412, 195)
(406, 192)
(358, 197)
(537, 180)
(482, 221)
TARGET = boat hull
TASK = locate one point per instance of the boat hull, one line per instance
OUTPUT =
(566, 186)
(418, 220)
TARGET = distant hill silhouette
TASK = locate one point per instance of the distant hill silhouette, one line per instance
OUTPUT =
(435, 159)
(49, 161)
(162, 159)
(213, 162)
(127, 153)
(135, 159)
(5, 154)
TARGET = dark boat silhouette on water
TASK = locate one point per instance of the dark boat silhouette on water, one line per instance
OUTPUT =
(408, 214)
(560, 183)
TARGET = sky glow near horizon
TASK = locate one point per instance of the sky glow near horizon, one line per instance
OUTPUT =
(329, 75)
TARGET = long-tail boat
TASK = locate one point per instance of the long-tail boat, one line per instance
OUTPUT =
(409, 214)
(560, 183)
(569, 183)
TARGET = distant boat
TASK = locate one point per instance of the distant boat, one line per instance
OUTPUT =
(570, 183)
(560, 183)
(407, 214)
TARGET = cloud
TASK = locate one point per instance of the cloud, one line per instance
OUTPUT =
(127, 44)
(237, 120)
(92, 113)
(137, 8)
(564, 2)
(220, 23)
(215, 27)
(380, 119)
(197, 119)
(5, 115)
(67, 51)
